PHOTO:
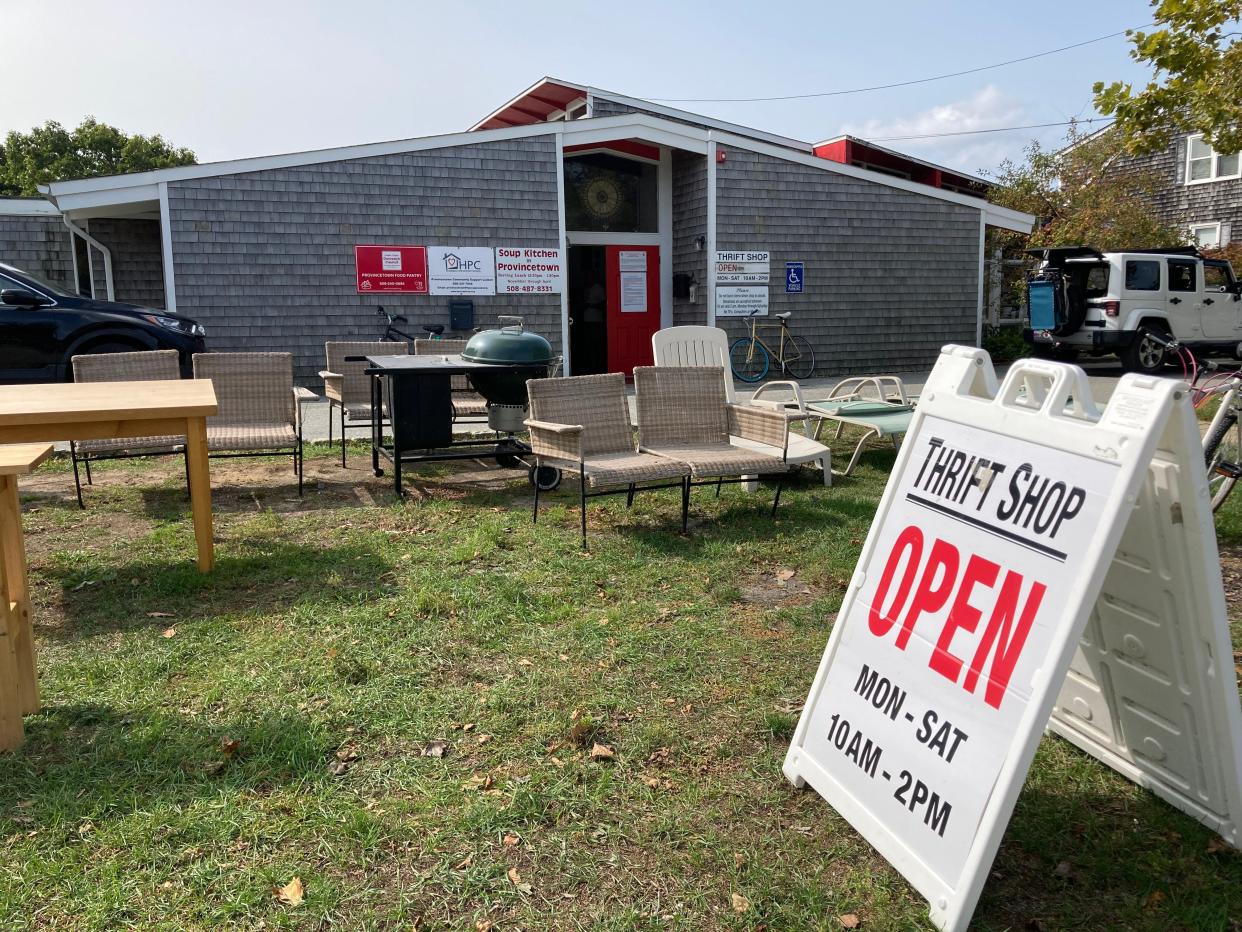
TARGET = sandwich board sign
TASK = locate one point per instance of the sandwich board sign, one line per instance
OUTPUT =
(1034, 562)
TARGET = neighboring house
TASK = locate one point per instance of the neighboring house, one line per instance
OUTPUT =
(638, 198)
(1202, 190)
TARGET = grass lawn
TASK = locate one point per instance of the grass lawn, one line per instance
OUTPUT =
(439, 717)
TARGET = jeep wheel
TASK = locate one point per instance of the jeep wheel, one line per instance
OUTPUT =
(1144, 355)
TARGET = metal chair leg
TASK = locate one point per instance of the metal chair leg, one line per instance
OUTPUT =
(629, 496)
(780, 484)
(297, 462)
(685, 504)
(86, 461)
(185, 458)
(582, 506)
(77, 482)
(719, 483)
(330, 406)
(535, 515)
(342, 407)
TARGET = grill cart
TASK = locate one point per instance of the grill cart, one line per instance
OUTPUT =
(419, 395)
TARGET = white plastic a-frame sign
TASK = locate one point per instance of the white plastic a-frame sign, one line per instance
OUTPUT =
(1031, 557)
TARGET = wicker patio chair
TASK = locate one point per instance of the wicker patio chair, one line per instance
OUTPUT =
(468, 405)
(582, 424)
(683, 415)
(144, 366)
(347, 386)
(260, 411)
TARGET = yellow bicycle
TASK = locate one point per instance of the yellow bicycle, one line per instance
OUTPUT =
(751, 358)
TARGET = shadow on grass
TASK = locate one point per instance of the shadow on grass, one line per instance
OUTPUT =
(254, 573)
(89, 761)
(1076, 856)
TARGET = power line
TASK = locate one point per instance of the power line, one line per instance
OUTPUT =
(995, 129)
(885, 87)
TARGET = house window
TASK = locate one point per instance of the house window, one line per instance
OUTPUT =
(1142, 275)
(1205, 235)
(1203, 163)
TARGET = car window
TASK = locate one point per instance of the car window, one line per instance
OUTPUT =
(1097, 281)
(47, 286)
(1215, 278)
(1142, 275)
(1182, 276)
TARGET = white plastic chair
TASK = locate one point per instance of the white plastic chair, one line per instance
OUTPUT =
(709, 346)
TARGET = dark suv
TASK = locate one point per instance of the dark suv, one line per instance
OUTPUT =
(43, 327)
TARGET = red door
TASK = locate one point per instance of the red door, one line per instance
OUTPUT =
(633, 305)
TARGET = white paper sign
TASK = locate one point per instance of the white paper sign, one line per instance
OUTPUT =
(741, 301)
(633, 292)
(632, 260)
(461, 270)
(742, 268)
(390, 260)
(526, 270)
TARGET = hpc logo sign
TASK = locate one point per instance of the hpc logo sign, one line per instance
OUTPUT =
(462, 270)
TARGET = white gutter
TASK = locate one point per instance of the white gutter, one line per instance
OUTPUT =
(710, 246)
(107, 256)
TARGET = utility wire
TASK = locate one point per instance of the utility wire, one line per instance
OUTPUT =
(995, 129)
(884, 87)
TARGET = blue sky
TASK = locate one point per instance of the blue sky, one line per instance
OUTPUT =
(232, 79)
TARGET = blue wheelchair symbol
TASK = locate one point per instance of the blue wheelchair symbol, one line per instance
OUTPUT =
(794, 277)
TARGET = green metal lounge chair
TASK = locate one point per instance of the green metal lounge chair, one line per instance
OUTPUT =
(878, 419)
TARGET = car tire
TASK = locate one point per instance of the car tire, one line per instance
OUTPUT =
(110, 346)
(1144, 355)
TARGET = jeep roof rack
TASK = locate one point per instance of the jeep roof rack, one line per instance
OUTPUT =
(1170, 250)
(1066, 252)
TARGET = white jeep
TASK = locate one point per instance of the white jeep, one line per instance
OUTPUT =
(1133, 303)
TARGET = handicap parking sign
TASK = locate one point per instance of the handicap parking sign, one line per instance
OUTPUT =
(795, 275)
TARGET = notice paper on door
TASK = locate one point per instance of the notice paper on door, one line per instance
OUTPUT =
(633, 292)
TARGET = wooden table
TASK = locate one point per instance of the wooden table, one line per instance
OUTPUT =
(19, 685)
(115, 410)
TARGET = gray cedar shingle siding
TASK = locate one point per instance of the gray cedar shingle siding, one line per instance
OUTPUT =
(689, 223)
(39, 245)
(137, 260)
(266, 259)
(891, 276)
(1181, 204)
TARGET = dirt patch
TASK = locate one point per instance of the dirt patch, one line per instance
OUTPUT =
(770, 589)
(1231, 576)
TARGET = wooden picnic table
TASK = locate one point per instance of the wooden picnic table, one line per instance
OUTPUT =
(19, 685)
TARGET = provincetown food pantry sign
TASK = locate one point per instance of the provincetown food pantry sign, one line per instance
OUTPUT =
(1012, 512)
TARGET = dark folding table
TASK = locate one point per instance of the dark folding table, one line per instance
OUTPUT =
(420, 410)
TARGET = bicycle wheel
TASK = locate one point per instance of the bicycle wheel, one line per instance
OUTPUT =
(1223, 454)
(749, 360)
(799, 358)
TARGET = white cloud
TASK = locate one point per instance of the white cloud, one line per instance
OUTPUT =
(988, 108)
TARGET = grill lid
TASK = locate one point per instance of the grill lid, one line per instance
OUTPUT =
(510, 344)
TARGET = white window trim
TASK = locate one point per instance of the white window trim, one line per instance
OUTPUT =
(1196, 227)
(1215, 161)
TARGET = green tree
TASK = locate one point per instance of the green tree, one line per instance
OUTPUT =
(1084, 194)
(1197, 84)
(52, 153)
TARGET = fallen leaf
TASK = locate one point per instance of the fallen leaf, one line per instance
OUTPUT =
(784, 574)
(739, 859)
(849, 921)
(1218, 845)
(436, 749)
(1062, 870)
(1153, 900)
(347, 755)
(161, 614)
(579, 731)
(602, 752)
(211, 768)
(229, 746)
(511, 840)
(740, 903)
(483, 925)
(292, 893)
(478, 783)
(464, 864)
(483, 739)
(170, 633)
(469, 726)
(514, 877)
(338, 768)
(521, 663)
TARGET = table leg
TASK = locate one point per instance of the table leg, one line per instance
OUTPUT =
(16, 593)
(11, 732)
(200, 489)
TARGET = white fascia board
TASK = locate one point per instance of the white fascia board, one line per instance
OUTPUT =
(996, 215)
(293, 159)
(107, 197)
(513, 100)
(712, 122)
(639, 126)
(27, 207)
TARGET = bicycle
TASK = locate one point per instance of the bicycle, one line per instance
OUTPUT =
(394, 334)
(750, 357)
(1222, 444)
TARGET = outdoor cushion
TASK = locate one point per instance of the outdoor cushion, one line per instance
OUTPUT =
(468, 406)
(237, 437)
(609, 469)
(719, 459)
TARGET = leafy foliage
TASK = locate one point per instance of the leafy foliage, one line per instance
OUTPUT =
(52, 153)
(1197, 84)
(1084, 195)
